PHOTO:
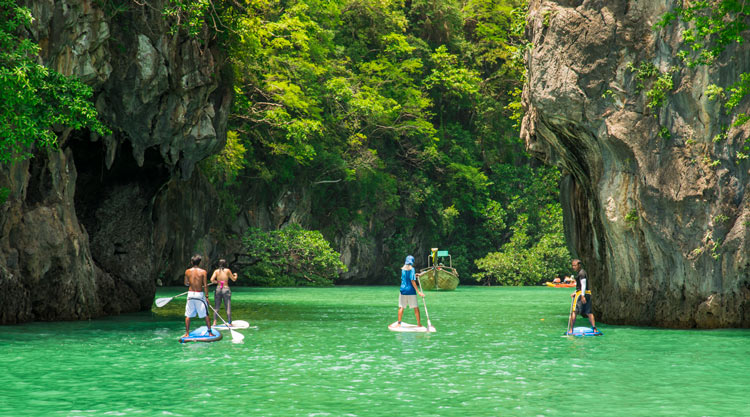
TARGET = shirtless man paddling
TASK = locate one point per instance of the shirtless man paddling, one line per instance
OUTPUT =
(195, 279)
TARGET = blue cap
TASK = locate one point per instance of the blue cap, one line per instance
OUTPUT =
(409, 260)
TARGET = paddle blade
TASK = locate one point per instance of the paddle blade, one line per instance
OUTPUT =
(236, 336)
(161, 302)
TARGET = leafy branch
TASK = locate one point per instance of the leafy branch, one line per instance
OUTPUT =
(35, 99)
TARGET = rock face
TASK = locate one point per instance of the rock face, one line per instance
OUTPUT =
(84, 230)
(89, 229)
(654, 197)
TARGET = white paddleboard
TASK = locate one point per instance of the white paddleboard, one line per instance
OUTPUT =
(236, 325)
(409, 328)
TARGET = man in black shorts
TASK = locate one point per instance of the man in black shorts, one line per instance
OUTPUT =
(582, 297)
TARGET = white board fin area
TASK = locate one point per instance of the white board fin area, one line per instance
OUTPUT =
(409, 328)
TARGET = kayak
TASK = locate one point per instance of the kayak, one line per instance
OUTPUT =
(584, 332)
(559, 285)
(201, 335)
(235, 325)
(409, 328)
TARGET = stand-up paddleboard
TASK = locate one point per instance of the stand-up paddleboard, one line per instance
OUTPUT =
(409, 328)
(235, 325)
(201, 335)
(583, 332)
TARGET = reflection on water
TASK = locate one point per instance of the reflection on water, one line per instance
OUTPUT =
(327, 352)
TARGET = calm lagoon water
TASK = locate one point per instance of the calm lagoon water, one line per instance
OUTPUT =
(327, 352)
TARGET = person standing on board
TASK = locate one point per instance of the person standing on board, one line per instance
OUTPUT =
(582, 296)
(197, 301)
(409, 290)
(221, 278)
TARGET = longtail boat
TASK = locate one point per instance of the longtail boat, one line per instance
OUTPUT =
(438, 276)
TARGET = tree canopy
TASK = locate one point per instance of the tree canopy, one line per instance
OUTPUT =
(400, 116)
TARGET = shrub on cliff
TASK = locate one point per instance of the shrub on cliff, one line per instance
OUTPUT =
(35, 98)
(289, 257)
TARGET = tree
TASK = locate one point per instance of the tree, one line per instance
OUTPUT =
(36, 100)
(290, 256)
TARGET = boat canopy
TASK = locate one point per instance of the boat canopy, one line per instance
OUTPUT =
(432, 259)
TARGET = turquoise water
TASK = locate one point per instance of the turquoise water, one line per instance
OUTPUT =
(327, 352)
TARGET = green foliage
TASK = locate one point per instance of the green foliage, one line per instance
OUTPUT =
(658, 92)
(290, 256)
(710, 27)
(222, 170)
(664, 133)
(715, 250)
(187, 15)
(643, 72)
(224, 167)
(737, 92)
(4, 194)
(449, 79)
(547, 16)
(632, 217)
(661, 83)
(711, 163)
(437, 22)
(714, 92)
(35, 98)
(528, 259)
(398, 116)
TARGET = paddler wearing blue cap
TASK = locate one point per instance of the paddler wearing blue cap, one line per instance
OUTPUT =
(408, 291)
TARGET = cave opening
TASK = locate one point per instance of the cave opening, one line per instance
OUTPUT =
(95, 181)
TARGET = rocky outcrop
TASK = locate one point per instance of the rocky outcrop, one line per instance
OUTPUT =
(91, 228)
(655, 197)
(83, 228)
(361, 246)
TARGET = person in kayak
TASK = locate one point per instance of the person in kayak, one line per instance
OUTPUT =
(197, 299)
(583, 296)
(221, 278)
(408, 291)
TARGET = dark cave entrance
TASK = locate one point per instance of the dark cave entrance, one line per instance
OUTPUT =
(95, 181)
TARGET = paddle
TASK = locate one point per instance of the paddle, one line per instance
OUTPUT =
(236, 336)
(429, 324)
(570, 315)
(161, 302)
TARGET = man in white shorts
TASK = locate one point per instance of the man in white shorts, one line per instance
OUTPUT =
(195, 279)
(409, 290)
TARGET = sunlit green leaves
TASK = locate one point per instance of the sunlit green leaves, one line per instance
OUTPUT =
(188, 15)
(525, 260)
(290, 256)
(711, 27)
(395, 116)
(34, 98)
(450, 78)
(224, 167)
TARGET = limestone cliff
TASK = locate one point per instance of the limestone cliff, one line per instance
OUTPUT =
(655, 198)
(89, 229)
(85, 229)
